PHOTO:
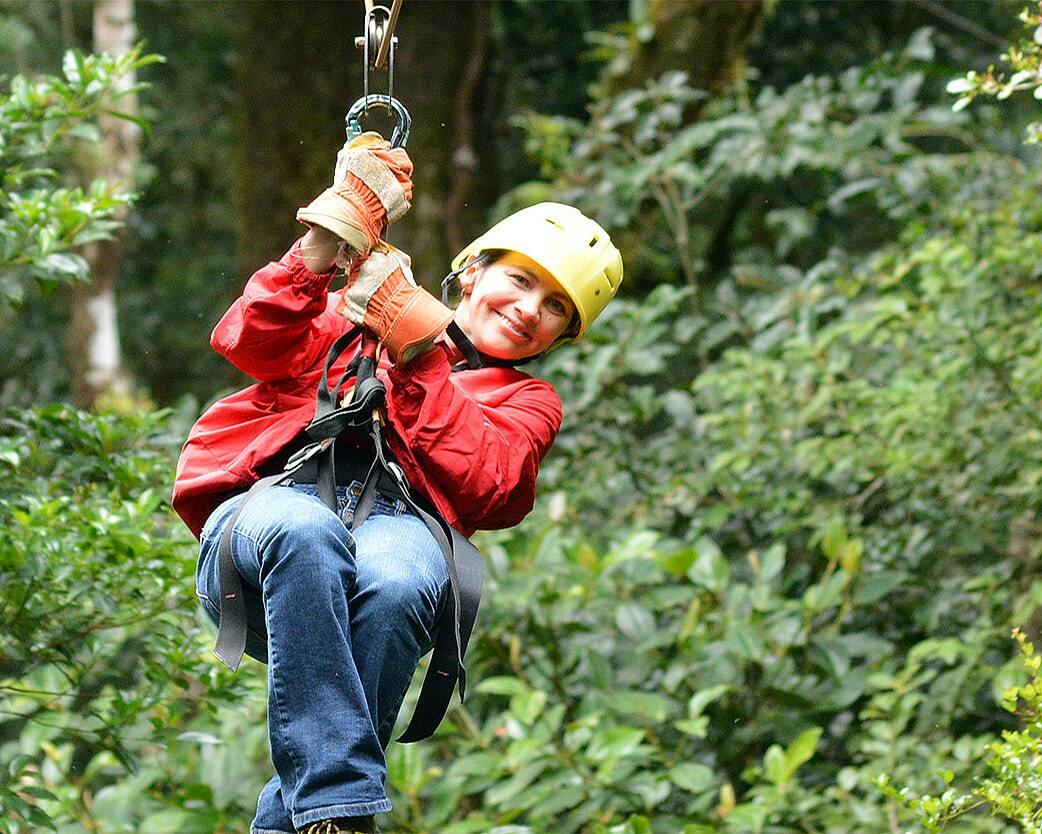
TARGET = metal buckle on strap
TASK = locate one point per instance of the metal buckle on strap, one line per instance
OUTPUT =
(399, 475)
(302, 456)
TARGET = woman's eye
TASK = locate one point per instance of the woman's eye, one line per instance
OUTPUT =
(556, 307)
(520, 280)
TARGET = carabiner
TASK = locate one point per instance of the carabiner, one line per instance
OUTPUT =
(403, 121)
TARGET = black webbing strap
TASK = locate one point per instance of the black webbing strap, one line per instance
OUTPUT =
(231, 629)
(466, 570)
(446, 667)
(465, 345)
(463, 561)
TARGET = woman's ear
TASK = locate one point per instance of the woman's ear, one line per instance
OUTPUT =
(469, 276)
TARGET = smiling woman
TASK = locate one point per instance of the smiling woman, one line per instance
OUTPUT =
(359, 554)
(562, 248)
(512, 308)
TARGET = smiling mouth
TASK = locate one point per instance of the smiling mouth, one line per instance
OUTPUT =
(514, 326)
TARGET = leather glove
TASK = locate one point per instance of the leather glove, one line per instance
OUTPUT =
(383, 297)
(372, 186)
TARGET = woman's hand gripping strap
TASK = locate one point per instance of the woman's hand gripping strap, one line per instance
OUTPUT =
(372, 187)
(384, 298)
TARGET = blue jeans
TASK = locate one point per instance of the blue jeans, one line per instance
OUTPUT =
(342, 620)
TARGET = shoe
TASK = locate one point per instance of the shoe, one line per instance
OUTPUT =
(343, 825)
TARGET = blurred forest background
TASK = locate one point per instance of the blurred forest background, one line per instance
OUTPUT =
(793, 516)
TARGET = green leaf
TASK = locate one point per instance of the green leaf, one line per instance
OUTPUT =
(677, 562)
(833, 539)
(696, 727)
(802, 748)
(745, 640)
(614, 742)
(701, 699)
(405, 766)
(850, 555)
(635, 621)
(710, 569)
(66, 264)
(773, 562)
(168, 821)
(692, 777)
(501, 685)
(509, 788)
(527, 706)
(774, 766)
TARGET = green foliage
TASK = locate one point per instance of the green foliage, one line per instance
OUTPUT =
(101, 655)
(1012, 788)
(761, 177)
(43, 218)
(1025, 60)
(779, 545)
(864, 419)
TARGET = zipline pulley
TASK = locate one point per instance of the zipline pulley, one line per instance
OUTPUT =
(378, 47)
(379, 40)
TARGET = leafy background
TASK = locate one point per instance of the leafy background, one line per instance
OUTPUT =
(792, 518)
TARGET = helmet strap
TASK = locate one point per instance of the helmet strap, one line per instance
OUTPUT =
(476, 358)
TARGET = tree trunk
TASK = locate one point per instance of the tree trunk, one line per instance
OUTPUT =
(707, 39)
(94, 335)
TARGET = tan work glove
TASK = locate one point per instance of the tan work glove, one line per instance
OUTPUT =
(383, 297)
(372, 186)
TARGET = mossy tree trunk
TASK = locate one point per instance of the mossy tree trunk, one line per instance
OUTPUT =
(707, 40)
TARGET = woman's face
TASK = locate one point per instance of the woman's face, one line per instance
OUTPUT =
(512, 308)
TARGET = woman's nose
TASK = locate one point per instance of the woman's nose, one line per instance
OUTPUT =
(528, 306)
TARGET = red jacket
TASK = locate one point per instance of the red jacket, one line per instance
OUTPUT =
(471, 441)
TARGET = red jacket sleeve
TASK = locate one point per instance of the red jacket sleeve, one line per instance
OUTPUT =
(275, 329)
(479, 445)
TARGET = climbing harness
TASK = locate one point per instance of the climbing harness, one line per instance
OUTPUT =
(358, 415)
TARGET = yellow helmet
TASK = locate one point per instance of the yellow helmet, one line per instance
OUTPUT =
(570, 246)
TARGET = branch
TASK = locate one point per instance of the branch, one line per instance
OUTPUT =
(960, 22)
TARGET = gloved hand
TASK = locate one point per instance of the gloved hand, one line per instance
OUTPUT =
(383, 297)
(372, 186)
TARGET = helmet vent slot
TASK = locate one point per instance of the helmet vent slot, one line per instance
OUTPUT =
(593, 242)
(553, 222)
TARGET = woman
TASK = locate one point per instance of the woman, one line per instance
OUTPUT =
(343, 615)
